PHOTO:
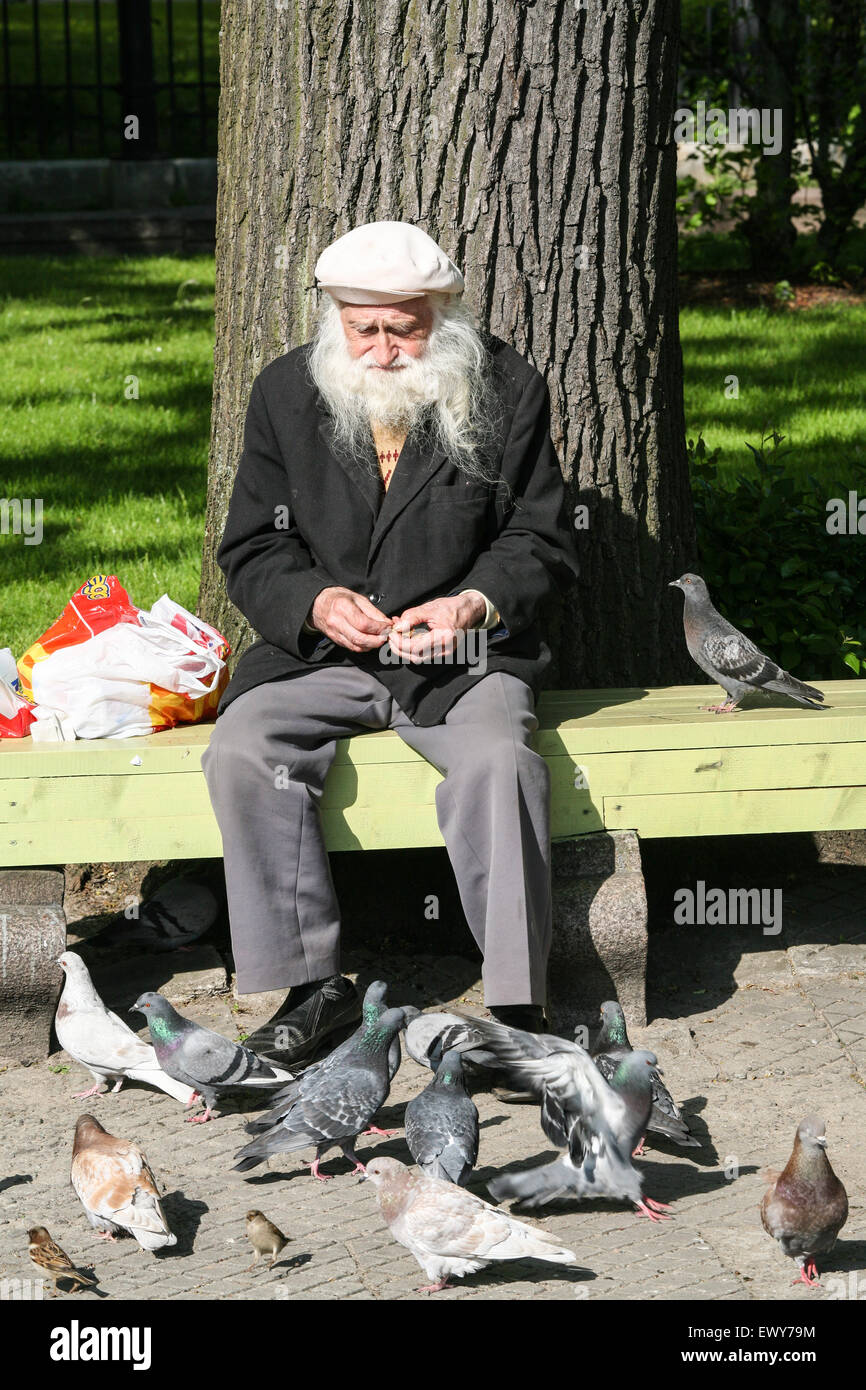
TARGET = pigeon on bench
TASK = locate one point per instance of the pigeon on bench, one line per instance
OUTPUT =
(610, 1047)
(451, 1231)
(729, 657)
(102, 1042)
(442, 1125)
(334, 1104)
(806, 1205)
(200, 1058)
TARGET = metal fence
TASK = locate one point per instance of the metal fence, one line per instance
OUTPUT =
(129, 79)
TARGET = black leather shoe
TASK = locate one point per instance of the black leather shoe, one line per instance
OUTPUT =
(528, 1017)
(295, 1037)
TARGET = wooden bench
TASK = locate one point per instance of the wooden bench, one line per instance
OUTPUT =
(624, 764)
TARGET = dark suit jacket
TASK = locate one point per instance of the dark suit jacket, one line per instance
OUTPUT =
(433, 533)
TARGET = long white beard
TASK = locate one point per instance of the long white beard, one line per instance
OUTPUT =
(447, 389)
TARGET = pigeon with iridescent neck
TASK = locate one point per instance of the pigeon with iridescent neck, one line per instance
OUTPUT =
(373, 1007)
(806, 1205)
(610, 1047)
(597, 1122)
(729, 657)
(336, 1104)
(200, 1058)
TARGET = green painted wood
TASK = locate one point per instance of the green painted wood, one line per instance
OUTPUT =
(651, 761)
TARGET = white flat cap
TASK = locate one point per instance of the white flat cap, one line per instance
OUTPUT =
(384, 263)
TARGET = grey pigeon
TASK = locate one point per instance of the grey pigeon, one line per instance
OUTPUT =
(451, 1231)
(177, 914)
(806, 1205)
(442, 1125)
(729, 657)
(431, 1035)
(373, 1007)
(334, 1105)
(598, 1123)
(610, 1047)
(200, 1058)
(102, 1042)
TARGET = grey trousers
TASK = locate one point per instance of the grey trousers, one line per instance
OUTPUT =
(266, 766)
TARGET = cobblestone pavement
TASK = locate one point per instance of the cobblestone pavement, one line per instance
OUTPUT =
(753, 1032)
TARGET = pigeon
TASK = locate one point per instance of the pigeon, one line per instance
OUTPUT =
(373, 1006)
(202, 1059)
(179, 913)
(47, 1255)
(102, 1042)
(731, 658)
(597, 1122)
(611, 1045)
(451, 1231)
(115, 1185)
(264, 1237)
(442, 1125)
(431, 1035)
(806, 1206)
(335, 1105)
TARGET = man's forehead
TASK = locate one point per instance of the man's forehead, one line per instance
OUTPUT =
(393, 314)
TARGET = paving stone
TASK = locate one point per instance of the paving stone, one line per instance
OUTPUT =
(779, 1030)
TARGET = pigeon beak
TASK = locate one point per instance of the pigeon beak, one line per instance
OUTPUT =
(675, 584)
(822, 1141)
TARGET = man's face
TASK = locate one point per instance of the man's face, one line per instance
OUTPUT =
(385, 330)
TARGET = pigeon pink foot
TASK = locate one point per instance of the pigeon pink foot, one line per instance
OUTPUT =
(84, 1095)
(656, 1211)
(727, 708)
(201, 1119)
(385, 1133)
(321, 1177)
(636, 1153)
(808, 1275)
(435, 1288)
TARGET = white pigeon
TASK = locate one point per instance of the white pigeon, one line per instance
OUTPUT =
(451, 1231)
(102, 1042)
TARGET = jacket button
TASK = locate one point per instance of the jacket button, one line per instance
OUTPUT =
(375, 598)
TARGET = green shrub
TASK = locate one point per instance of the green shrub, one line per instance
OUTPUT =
(773, 569)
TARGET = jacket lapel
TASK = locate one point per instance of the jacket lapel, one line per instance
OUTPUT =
(366, 478)
(414, 470)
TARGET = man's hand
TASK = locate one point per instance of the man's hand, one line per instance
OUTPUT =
(349, 619)
(445, 617)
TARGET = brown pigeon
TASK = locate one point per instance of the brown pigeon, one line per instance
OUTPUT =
(806, 1206)
(116, 1187)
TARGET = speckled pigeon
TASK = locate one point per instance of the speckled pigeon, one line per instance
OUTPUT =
(451, 1231)
(335, 1105)
(429, 1036)
(731, 658)
(610, 1047)
(806, 1205)
(200, 1058)
(597, 1122)
(442, 1125)
(373, 1007)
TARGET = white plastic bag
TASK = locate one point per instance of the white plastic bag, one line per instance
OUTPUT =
(105, 686)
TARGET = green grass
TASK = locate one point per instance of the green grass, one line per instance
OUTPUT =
(123, 482)
(801, 372)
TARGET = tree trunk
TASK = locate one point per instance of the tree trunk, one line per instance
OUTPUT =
(535, 143)
(775, 64)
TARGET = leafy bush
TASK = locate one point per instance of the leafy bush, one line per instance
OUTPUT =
(773, 569)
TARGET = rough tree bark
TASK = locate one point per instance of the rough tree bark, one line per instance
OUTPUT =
(534, 142)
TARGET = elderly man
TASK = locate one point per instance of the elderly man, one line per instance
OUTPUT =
(398, 490)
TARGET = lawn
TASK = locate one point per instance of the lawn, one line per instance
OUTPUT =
(123, 481)
(801, 372)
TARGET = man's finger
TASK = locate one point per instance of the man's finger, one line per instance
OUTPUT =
(369, 610)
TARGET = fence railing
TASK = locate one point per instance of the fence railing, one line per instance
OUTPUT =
(129, 79)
